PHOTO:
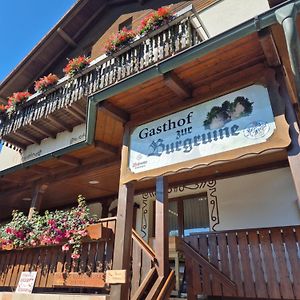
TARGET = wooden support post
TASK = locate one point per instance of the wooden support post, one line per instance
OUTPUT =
(37, 198)
(161, 227)
(123, 240)
(294, 148)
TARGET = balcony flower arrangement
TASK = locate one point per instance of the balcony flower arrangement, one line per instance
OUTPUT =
(119, 40)
(3, 114)
(45, 82)
(65, 228)
(75, 65)
(15, 100)
(155, 20)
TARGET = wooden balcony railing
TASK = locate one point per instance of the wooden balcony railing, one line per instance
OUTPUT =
(103, 72)
(56, 269)
(256, 263)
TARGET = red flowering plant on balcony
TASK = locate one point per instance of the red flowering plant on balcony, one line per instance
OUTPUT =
(45, 82)
(75, 65)
(155, 20)
(58, 227)
(16, 99)
(119, 40)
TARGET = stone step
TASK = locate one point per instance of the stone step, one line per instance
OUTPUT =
(15, 296)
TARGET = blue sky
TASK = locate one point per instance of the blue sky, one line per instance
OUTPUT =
(22, 25)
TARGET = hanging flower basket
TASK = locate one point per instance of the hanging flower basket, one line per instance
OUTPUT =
(45, 82)
(155, 20)
(76, 65)
(119, 40)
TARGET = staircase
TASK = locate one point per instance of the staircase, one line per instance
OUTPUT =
(148, 285)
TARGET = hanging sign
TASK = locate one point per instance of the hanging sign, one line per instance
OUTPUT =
(239, 119)
(26, 282)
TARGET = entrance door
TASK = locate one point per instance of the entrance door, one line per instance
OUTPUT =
(188, 215)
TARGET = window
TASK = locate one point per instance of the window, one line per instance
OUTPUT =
(127, 24)
(188, 215)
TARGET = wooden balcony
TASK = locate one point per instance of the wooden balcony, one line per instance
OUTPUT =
(64, 106)
(256, 263)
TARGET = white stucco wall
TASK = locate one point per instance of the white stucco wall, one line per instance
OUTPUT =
(263, 199)
(9, 157)
(226, 14)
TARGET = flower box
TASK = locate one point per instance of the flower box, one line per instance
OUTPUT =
(98, 231)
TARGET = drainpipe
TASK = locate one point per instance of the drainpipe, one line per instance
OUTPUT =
(286, 17)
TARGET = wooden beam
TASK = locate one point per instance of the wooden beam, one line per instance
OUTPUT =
(75, 114)
(114, 111)
(174, 83)
(37, 196)
(269, 47)
(12, 141)
(62, 175)
(27, 137)
(123, 241)
(105, 148)
(79, 110)
(294, 148)
(10, 180)
(39, 170)
(66, 37)
(60, 124)
(43, 130)
(161, 227)
(69, 160)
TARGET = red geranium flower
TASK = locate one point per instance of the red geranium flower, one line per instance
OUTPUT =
(119, 40)
(44, 82)
(76, 64)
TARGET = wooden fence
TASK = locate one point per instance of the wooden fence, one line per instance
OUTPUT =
(256, 263)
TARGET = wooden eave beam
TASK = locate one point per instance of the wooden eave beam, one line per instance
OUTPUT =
(39, 170)
(174, 83)
(66, 37)
(10, 180)
(69, 160)
(114, 111)
(12, 141)
(55, 177)
(269, 48)
(59, 123)
(105, 148)
(27, 137)
(43, 130)
(75, 114)
(78, 110)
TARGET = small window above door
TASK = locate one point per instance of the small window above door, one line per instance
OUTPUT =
(127, 24)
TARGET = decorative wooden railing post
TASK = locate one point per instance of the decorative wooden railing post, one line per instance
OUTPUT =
(161, 227)
(123, 242)
(37, 196)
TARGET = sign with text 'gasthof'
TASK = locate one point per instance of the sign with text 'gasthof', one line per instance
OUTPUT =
(239, 119)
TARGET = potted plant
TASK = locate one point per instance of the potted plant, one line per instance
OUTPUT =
(119, 40)
(45, 82)
(16, 99)
(75, 65)
(155, 20)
